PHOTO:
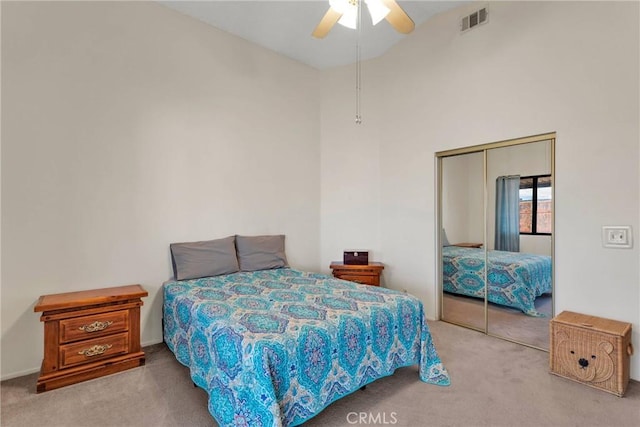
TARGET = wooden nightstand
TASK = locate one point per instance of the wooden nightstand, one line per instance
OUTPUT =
(368, 274)
(89, 334)
(468, 245)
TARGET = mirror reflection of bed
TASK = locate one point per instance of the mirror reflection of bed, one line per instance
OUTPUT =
(519, 302)
(505, 187)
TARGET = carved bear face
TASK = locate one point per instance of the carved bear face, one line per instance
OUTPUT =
(584, 359)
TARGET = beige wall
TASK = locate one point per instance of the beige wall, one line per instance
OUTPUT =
(463, 198)
(350, 182)
(535, 67)
(127, 126)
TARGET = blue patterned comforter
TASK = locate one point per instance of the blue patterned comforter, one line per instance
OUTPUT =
(515, 279)
(275, 347)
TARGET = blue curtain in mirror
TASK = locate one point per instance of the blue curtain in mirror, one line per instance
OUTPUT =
(507, 213)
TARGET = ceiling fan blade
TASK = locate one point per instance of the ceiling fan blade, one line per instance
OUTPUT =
(398, 18)
(326, 23)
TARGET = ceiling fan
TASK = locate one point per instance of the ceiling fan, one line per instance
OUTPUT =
(345, 12)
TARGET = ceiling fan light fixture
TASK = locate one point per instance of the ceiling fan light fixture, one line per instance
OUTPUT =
(349, 18)
(341, 5)
(349, 11)
(346, 13)
(377, 10)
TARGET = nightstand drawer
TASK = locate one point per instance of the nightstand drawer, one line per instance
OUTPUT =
(92, 350)
(366, 274)
(85, 327)
(364, 280)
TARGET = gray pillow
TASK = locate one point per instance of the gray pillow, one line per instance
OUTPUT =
(193, 260)
(261, 252)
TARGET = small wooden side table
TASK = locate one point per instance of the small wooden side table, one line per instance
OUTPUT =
(468, 245)
(89, 334)
(368, 274)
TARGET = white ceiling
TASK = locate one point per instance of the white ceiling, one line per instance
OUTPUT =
(286, 26)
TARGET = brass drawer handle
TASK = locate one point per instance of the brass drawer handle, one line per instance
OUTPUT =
(96, 350)
(96, 326)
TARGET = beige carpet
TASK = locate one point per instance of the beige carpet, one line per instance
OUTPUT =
(494, 383)
(504, 322)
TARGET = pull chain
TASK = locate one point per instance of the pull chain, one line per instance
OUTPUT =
(358, 69)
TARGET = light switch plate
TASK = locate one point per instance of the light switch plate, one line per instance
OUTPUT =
(617, 236)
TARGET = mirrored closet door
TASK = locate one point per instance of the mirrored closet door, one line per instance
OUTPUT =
(462, 206)
(496, 246)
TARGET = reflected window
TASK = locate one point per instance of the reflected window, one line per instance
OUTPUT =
(535, 204)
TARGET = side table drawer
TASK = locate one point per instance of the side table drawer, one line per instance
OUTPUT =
(362, 279)
(92, 350)
(80, 328)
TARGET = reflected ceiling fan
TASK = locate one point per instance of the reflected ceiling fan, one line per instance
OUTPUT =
(345, 12)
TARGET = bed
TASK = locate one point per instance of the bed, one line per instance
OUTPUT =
(275, 347)
(515, 279)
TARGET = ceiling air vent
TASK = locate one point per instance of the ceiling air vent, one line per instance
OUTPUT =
(474, 19)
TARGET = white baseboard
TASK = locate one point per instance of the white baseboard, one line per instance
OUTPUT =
(152, 342)
(19, 374)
